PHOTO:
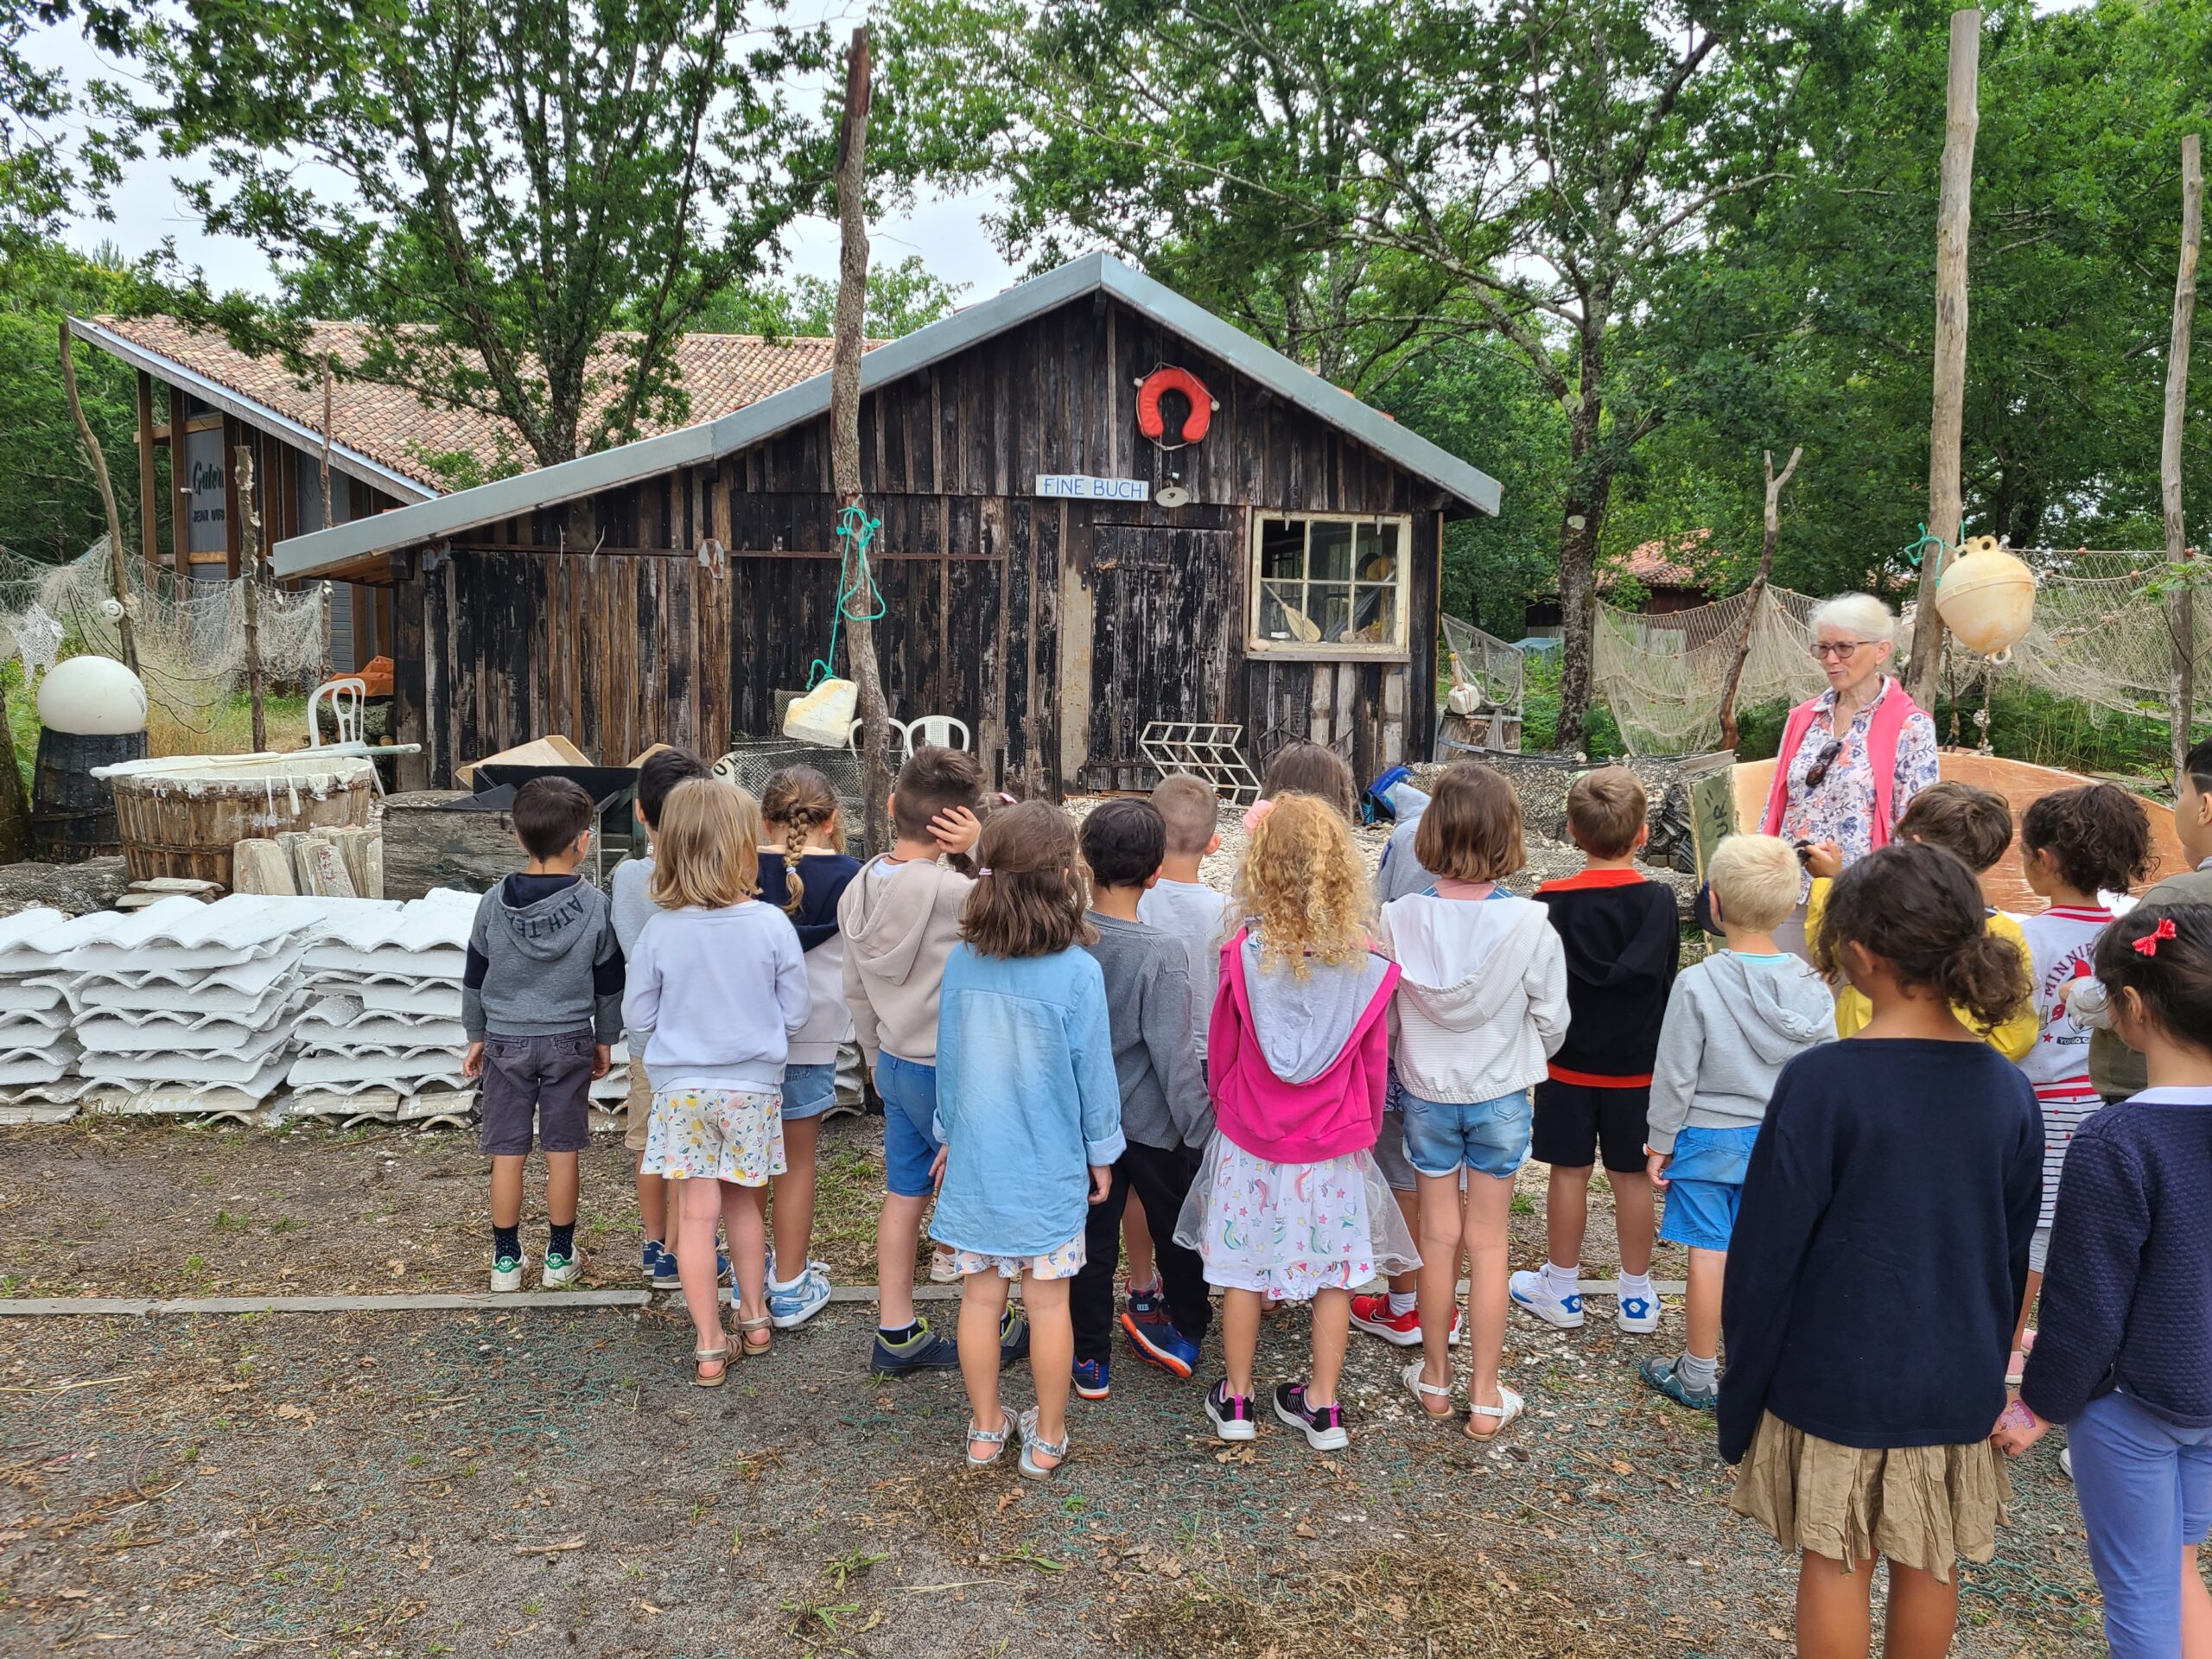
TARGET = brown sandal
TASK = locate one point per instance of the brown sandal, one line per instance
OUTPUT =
(765, 1327)
(701, 1357)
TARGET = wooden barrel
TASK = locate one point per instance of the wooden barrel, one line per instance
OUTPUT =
(72, 813)
(186, 815)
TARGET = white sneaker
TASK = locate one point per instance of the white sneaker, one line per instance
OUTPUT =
(1534, 1292)
(560, 1272)
(506, 1273)
(2066, 1460)
(1637, 1313)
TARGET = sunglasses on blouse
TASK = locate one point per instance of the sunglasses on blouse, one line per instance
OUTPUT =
(1818, 772)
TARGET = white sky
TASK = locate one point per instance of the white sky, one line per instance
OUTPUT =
(947, 231)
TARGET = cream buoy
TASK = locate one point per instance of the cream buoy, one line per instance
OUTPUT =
(1986, 597)
(92, 696)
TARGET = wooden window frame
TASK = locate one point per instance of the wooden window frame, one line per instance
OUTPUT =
(1395, 650)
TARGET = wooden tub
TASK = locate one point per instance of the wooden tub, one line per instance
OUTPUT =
(186, 815)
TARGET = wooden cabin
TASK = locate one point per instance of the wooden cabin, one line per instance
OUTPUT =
(1051, 574)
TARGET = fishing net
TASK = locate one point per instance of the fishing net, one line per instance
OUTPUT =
(1487, 663)
(190, 633)
(2102, 637)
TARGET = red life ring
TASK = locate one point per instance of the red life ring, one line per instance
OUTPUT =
(1149, 389)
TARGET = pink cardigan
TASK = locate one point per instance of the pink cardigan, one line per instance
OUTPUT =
(1882, 733)
(1337, 1112)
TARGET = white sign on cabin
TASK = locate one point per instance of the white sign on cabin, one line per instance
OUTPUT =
(1079, 486)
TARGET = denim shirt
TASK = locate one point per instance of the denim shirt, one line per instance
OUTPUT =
(1027, 1099)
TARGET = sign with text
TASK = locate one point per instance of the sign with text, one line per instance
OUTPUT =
(207, 531)
(1079, 486)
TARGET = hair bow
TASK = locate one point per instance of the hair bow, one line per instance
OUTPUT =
(1254, 813)
(2148, 945)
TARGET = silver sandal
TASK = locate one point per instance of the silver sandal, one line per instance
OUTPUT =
(1510, 1406)
(710, 1356)
(1033, 1442)
(747, 1327)
(1424, 1392)
(996, 1438)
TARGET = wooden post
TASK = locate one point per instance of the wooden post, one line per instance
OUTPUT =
(179, 487)
(250, 541)
(150, 535)
(2181, 609)
(116, 557)
(233, 437)
(1757, 591)
(845, 425)
(327, 377)
(1952, 214)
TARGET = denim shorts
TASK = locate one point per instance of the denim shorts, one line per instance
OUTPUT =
(810, 1091)
(1491, 1136)
(909, 1091)
(1705, 1186)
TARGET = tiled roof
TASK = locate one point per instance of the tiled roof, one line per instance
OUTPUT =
(1660, 563)
(722, 372)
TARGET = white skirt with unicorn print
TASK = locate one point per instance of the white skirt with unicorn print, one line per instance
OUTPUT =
(1292, 1230)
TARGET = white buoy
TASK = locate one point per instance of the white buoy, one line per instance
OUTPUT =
(92, 696)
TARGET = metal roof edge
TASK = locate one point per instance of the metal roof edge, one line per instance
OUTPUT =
(344, 457)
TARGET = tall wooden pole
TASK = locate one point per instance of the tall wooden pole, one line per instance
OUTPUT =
(845, 427)
(1952, 214)
(250, 541)
(149, 520)
(2181, 610)
(327, 377)
(1757, 591)
(116, 557)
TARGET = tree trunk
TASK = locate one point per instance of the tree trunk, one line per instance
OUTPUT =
(1590, 482)
(116, 554)
(845, 430)
(250, 540)
(2181, 609)
(15, 807)
(1757, 591)
(1952, 214)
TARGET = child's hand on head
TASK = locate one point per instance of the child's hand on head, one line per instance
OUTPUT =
(471, 1063)
(956, 829)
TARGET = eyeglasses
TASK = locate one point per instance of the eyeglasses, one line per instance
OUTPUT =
(1839, 649)
(1818, 772)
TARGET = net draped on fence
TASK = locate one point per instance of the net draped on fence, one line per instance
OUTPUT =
(2101, 637)
(1483, 660)
(190, 633)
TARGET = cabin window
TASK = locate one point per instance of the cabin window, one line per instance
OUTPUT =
(1329, 584)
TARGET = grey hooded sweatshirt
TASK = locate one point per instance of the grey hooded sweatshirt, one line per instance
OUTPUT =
(1732, 1023)
(543, 963)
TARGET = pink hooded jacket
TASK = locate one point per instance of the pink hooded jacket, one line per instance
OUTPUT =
(1305, 1080)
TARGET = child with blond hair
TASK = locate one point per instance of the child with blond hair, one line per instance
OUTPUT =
(1733, 1022)
(719, 980)
(1288, 1204)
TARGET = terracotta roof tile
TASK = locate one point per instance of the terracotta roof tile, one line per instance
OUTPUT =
(1660, 563)
(721, 372)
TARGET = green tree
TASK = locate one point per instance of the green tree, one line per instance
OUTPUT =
(531, 204)
(901, 299)
(1362, 176)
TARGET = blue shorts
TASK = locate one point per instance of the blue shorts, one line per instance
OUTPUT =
(809, 1090)
(1488, 1135)
(1705, 1186)
(909, 1091)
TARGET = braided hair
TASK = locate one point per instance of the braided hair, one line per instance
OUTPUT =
(799, 799)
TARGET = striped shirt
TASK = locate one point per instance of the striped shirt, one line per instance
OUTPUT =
(2061, 943)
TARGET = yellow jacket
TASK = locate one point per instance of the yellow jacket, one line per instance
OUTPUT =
(2014, 1038)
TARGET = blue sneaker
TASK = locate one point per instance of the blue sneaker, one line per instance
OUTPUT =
(1158, 1341)
(1093, 1378)
(666, 1278)
(1150, 1304)
(1014, 1337)
(650, 1261)
(924, 1350)
(794, 1305)
(1663, 1375)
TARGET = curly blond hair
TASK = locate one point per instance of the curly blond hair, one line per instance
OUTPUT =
(1302, 889)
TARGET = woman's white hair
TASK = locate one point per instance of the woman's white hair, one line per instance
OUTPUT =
(1863, 614)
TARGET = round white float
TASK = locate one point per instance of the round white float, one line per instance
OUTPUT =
(92, 696)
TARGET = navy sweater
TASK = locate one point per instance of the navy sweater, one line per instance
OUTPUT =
(2127, 1298)
(1882, 1249)
(824, 876)
(1622, 948)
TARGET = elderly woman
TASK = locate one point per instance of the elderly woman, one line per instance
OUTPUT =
(1853, 756)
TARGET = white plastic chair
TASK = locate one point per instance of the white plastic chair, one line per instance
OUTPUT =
(349, 700)
(936, 731)
(900, 739)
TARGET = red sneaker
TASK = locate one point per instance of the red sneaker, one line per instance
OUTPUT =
(1371, 1314)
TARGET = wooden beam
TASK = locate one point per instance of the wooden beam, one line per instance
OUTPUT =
(149, 520)
(180, 488)
(2181, 610)
(1952, 214)
(234, 436)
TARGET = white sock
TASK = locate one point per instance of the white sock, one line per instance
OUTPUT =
(1401, 1302)
(1697, 1373)
(775, 1283)
(1564, 1281)
(1636, 1284)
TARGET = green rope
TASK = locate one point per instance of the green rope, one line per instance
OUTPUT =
(855, 586)
(1913, 551)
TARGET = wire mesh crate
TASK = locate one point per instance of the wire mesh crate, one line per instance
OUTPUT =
(1212, 750)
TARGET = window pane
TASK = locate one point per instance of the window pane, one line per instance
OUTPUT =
(1329, 606)
(1330, 559)
(1283, 617)
(1375, 552)
(1282, 549)
(1374, 614)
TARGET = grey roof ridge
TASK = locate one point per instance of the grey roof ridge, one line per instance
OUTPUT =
(508, 498)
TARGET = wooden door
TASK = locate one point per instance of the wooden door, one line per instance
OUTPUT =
(1166, 633)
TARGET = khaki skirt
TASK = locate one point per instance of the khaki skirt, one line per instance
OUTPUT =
(1921, 1506)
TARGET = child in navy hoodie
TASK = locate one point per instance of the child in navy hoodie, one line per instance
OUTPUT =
(2125, 1357)
(1622, 942)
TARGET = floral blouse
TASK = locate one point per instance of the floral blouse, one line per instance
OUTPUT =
(1840, 807)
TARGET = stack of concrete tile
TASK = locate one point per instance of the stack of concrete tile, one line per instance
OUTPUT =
(185, 1007)
(382, 1037)
(39, 1080)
